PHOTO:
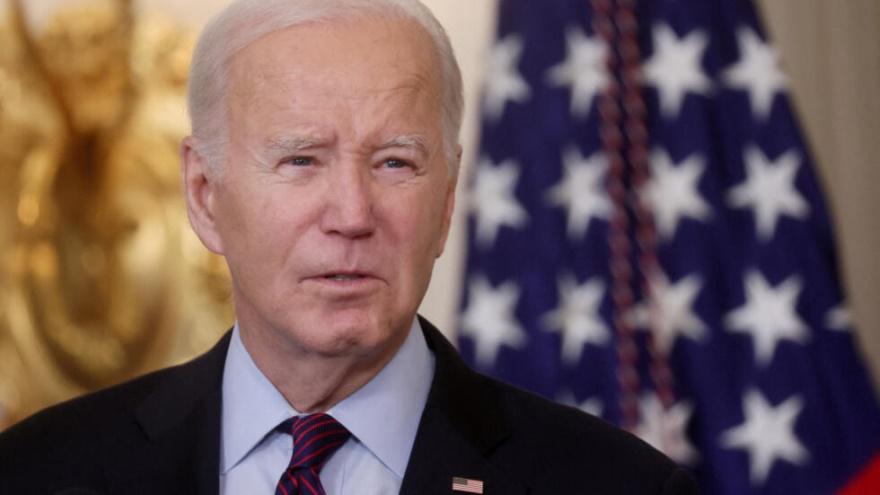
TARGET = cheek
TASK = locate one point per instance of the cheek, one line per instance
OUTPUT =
(416, 224)
(260, 228)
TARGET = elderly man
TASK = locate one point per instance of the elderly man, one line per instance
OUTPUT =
(322, 166)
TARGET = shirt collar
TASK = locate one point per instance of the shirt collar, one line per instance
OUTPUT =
(383, 415)
(251, 408)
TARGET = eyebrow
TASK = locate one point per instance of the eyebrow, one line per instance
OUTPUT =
(293, 144)
(407, 141)
(288, 144)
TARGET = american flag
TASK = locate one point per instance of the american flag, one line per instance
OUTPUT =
(648, 241)
(465, 485)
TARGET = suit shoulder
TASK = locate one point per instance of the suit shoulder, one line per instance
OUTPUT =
(564, 423)
(97, 409)
(551, 448)
(85, 415)
(76, 432)
(63, 443)
(570, 445)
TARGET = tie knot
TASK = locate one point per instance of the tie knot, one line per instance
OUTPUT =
(315, 438)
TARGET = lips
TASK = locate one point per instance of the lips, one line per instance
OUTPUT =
(345, 284)
(342, 277)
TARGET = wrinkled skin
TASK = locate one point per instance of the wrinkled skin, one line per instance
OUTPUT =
(335, 200)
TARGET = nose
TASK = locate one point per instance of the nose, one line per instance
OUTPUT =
(349, 203)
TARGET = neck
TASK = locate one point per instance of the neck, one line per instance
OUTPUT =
(309, 381)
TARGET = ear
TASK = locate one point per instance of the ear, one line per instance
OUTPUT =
(450, 202)
(200, 190)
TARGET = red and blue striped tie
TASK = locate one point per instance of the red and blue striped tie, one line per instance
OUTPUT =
(315, 438)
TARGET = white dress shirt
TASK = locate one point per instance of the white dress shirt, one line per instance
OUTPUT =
(382, 416)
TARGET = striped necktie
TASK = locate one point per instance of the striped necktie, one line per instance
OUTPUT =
(315, 438)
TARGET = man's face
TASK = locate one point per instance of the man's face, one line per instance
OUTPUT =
(336, 196)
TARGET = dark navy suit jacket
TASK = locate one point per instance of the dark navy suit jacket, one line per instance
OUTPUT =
(160, 434)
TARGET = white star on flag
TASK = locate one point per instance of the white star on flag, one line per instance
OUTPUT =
(769, 315)
(577, 317)
(493, 202)
(584, 70)
(666, 429)
(839, 318)
(581, 191)
(490, 321)
(673, 192)
(770, 190)
(675, 67)
(767, 434)
(757, 72)
(671, 311)
(503, 80)
(592, 406)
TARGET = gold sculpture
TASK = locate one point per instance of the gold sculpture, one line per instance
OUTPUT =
(101, 278)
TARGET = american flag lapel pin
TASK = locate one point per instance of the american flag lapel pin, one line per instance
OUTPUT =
(465, 485)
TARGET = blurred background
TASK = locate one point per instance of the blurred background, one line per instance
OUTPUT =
(101, 277)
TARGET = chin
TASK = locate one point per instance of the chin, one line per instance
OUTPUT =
(349, 333)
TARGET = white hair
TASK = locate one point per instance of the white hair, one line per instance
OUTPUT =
(245, 21)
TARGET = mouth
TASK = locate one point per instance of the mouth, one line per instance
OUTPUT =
(343, 277)
(346, 284)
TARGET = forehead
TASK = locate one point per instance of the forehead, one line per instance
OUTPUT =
(353, 56)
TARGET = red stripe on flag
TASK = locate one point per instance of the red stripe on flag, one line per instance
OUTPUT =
(867, 482)
(467, 486)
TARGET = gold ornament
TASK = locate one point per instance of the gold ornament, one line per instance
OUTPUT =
(101, 278)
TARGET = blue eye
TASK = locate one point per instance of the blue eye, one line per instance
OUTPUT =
(299, 161)
(395, 163)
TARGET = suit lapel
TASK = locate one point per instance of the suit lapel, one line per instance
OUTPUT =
(460, 427)
(178, 450)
